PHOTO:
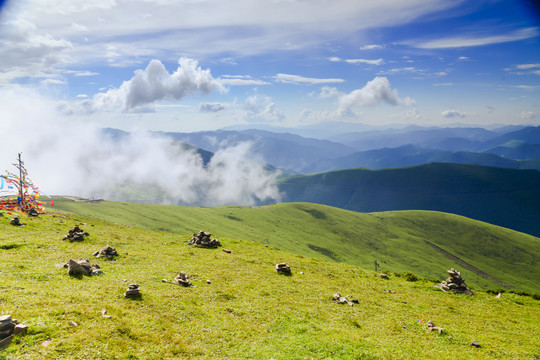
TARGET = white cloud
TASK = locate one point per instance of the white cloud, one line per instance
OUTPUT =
(154, 84)
(211, 107)
(403, 70)
(44, 36)
(412, 114)
(262, 108)
(527, 66)
(527, 115)
(475, 40)
(240, 81)
(443, 84)
(53, 82)
(297, 79)
(375, 91)
(463, 58)
(334, 59)
(365, 61)
(453, 114)
(98, 163)
(82, 96)
(328, 92)
(372, 47)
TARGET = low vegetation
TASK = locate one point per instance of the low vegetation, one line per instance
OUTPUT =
(247, 311)
(425, 243)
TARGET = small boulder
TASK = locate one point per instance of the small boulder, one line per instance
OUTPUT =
(283, 268)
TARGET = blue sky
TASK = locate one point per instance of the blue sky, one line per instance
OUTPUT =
(203, 65)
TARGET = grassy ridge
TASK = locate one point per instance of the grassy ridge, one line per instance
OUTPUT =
(415, 241)
(247, 312)
(505, 197)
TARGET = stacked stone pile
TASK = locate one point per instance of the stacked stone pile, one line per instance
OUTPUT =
(343, 300)
(8, 328)
(455, 283)
(16, 221)
(33, 212)
(203, 239)
(108, 251)
(182, 279)
(283, 268)
(133, 291)
(76, 234)
(431, 327)
(82, 267)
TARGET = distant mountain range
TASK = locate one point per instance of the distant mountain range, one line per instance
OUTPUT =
(505, 197)
(376, 149)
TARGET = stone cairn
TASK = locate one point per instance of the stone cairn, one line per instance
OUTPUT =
(431, 327)
(82, 267)
(108, 251)
(16, 221)
(455, 283)
(343, 300)
(8, 328)
(202, 239)
(283, 268)
(182, 279)
(133, 291)
(76, 234)
(33, 212)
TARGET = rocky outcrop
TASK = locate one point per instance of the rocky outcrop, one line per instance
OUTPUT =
(455, 283)
(203, 239)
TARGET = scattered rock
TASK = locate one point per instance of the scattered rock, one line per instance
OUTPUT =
(16, 221)
(107, 252)
(475, 343)
(208, 282)
(343, 300)
(164, 280)
(431, 327)
(227, 251)
(133, 291)
(203, 239)
(104, 314)
(455, 283)
(72, 323)
(76, 234)
(283, 268)
(20, 328)
(182, 279)
(384, 276)
(499, 296)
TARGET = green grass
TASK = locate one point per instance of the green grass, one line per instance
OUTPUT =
(247, 312)
(401, 241)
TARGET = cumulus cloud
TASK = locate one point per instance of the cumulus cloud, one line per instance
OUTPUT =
(374, 92)
(365, 61)
(70, 158)
(453, 114)
(262, 108)
(154, 84)
(211, 107)
(412, 114)
(297, 79)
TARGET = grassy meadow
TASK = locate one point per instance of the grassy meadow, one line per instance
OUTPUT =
(426, 243)
(247, 311)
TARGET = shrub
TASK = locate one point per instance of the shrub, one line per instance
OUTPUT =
(409, 276)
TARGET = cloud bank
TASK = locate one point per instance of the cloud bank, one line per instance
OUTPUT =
(66, 157)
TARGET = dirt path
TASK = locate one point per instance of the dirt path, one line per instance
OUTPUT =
(469, 267)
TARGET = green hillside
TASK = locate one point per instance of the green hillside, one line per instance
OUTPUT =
(246, 311)
(423, 242)
(505, 197)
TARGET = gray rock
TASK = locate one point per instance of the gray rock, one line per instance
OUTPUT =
(20, 328)
(74, 268)
(476, 344)
(6, 341)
